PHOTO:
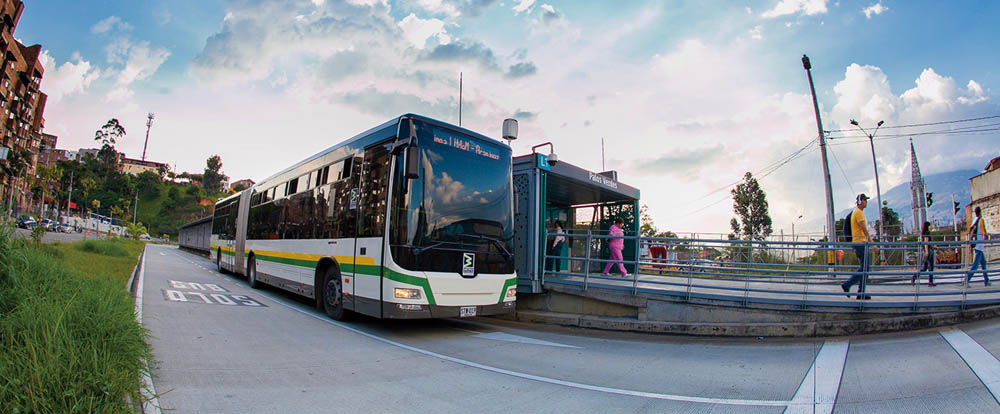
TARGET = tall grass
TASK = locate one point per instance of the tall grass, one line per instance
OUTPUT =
(67, 328)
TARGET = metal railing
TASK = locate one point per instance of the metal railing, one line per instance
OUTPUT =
(781, 274)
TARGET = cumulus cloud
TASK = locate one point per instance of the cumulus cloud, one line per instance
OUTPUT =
(806, 7)
(865, 95)
(524, 116)
(522, 6)
(520, 70)
(418, 30)
(456, 8)
(874, 9)
(109, 24)
(463, 51)
(683, 162)
(162, 14)
(755, 33)
(138, 59)
(550, 15)
(66, 79)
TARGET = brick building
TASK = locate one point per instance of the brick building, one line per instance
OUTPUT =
(21, 101)
(136, 167)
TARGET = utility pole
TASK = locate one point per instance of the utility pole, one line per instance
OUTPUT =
(459, 98)
(830, 228)
(954, 213)
(878, 188)
(69, 198)
(149, 124)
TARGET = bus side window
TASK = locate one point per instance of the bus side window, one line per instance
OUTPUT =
(348, 166)
(292, 187)
(374, 191)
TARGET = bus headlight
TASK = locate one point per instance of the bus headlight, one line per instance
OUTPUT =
(512, 292)
(405, 293)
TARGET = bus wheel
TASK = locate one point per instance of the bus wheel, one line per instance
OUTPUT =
(252, 273)
(333, 295)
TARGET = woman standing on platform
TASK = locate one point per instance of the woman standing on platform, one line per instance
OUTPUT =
(615, 246)
(928, 266)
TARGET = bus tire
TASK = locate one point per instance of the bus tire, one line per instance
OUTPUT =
(333, 295)
(252, 273)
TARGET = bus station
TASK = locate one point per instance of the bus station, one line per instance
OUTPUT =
(547, 189)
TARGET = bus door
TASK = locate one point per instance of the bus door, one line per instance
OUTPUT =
(239, 213)
(374, 194)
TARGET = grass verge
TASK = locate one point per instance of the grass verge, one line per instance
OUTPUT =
(67, 327)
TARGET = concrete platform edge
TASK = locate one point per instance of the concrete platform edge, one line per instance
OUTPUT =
(795, 329)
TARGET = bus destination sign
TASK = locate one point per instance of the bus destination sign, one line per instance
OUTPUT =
(467, 145)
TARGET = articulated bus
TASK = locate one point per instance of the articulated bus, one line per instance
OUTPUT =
(410, 219)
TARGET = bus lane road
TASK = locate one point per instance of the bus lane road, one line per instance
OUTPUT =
(225, 348)
(281, 356)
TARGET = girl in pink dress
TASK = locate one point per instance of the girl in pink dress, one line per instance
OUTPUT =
(616, 245)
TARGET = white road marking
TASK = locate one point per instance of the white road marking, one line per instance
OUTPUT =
(151, 403)
(506, 337)
(818, 391)
(555, 381)
(982, 362)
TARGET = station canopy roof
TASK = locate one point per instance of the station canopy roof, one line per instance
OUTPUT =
(569, 185)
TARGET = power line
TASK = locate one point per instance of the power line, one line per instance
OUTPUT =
(775, 165)
(927, 124)
(842, 171)
(761, 174)
(970, 132)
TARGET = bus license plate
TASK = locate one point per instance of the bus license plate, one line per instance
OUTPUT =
(467, 311)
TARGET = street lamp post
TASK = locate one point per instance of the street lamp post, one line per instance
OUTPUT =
(793, 234)
(878, 189)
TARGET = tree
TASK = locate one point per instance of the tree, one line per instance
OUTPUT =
(212, 179)
(46, 175)
(753, 222)
(891, 219)
(108, 136)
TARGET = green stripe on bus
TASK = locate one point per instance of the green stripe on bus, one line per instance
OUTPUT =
(294, 262)
(369, 270)
(413, 280)
(506, 284)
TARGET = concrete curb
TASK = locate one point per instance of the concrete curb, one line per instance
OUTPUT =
(150, 403)
(796, 329)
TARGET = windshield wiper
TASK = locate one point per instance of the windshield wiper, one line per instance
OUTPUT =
(496, 242)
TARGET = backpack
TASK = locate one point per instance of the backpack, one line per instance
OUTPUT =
(847, 226)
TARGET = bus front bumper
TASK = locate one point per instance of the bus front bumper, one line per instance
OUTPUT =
(404, 311)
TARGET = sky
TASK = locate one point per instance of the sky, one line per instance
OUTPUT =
(687, 96)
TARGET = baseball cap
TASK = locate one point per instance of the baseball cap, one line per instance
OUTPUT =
(862, 197)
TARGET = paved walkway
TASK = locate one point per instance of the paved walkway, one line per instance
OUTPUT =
(813, 291)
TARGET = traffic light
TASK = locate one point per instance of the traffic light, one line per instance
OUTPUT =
(930, 199)
(956, 206)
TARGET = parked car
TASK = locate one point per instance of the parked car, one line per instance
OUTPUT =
(63, 228)
(47, 224)
(26, 222)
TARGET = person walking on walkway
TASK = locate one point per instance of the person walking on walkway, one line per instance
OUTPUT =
(977, 233)
(928, 265)
(557, 245)
(616, 245)
(859, 234)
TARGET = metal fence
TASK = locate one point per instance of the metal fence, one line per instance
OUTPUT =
(780, 274)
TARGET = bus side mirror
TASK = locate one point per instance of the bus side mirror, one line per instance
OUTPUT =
(412, 168)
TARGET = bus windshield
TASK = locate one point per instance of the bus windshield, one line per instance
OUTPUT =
(461, 203)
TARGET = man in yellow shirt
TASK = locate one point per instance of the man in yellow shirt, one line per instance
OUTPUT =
(859, 234)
